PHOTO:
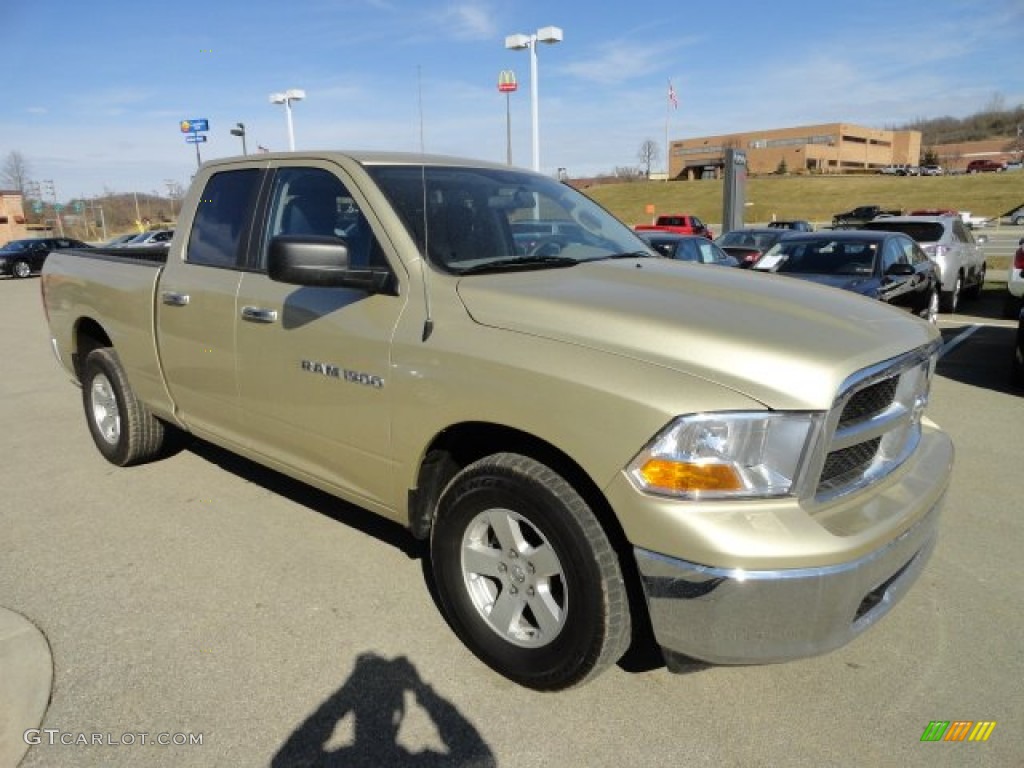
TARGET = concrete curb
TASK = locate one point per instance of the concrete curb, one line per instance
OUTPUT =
(26, 674)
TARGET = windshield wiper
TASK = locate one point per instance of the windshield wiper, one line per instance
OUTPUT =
(522, 262)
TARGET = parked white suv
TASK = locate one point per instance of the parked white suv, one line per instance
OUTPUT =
(950, 244)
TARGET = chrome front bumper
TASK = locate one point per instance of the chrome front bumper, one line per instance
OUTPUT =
(732, 616)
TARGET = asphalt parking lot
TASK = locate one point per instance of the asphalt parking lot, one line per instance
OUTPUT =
(203, 598)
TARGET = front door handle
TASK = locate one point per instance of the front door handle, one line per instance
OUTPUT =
(172, 299)
(259, 315)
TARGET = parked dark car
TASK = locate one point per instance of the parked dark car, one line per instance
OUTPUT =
(749, 243)
(798, 225)
(695, 248)
(888, 266)
(21, 258)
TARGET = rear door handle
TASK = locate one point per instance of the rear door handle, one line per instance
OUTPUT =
(259, 315)
(172, 299)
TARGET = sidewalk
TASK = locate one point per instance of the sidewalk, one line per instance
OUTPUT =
(26, 673)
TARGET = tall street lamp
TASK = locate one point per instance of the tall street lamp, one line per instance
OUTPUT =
(286, 98)
(518, 42)
(240, 132)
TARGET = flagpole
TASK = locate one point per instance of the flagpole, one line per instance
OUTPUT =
(670, 102)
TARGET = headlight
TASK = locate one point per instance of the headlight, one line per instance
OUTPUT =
(726, 455)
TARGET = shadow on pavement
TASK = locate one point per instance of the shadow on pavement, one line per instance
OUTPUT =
(377, 696)
(363, 520)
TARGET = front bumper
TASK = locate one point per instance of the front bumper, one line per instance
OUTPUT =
(731, 616)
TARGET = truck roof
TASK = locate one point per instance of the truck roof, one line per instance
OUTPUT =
(364, 157)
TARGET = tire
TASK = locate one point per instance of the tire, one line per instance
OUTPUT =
(932, 312)
(124, 430)
(513, 537)
(974, 292)
(951, 299)
(21, 269)
(1018, 220)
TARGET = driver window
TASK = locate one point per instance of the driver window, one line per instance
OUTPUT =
(312, 201)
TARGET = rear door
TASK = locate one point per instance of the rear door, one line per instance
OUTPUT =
(195, 305)
(313, 362)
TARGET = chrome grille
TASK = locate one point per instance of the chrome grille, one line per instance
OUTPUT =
(875, 423)
(841, 464)
(869, 401)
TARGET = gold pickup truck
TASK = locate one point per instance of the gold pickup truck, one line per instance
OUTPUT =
(597, 442)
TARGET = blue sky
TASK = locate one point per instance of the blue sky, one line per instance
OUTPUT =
(100, 86)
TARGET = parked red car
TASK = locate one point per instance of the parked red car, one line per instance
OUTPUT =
(680, 223)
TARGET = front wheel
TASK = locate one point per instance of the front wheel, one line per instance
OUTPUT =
(124, 430)
(526, 575)
(21, 269)
(932, 312)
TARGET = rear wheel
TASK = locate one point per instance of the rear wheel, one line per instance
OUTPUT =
(526, 575)
(974, 291)
(21, 269)
(124, 430)
(951, 298)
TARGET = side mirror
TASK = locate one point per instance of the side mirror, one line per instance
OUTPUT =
(316, 260)
(900, 270)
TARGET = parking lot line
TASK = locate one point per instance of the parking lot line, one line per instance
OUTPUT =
(961, 337)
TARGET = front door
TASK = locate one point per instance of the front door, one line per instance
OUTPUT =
(313, 363)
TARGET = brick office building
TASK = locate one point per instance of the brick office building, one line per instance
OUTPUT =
(12, 216)
(828, 148)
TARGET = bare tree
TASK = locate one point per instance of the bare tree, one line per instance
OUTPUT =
(14, 174)
(648, 155)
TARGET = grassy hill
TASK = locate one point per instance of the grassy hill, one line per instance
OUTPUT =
(815, 198)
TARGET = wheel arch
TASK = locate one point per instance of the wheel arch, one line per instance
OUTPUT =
(460, 445)
(87, 336)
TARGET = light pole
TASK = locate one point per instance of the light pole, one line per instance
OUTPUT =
(240, 132)
(519, 42)
(507, 84)
(286, 98)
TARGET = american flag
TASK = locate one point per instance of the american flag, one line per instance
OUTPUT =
(672, 96)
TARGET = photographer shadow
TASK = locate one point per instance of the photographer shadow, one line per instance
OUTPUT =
(375, 696)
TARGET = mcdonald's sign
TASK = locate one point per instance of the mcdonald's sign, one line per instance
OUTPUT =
(507, 81)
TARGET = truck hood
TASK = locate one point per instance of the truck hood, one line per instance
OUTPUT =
(785, 343)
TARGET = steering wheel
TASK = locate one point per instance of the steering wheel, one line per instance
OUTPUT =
(548, 246)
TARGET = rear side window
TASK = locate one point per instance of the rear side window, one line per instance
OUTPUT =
(222, 219)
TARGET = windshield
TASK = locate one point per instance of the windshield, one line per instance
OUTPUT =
(480, 219)
(759, 240)
(16, 245)
(921, 231)
(823, 256)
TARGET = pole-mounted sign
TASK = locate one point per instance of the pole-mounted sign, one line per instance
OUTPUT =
(192, 129)
(507, 84)
(507, 81)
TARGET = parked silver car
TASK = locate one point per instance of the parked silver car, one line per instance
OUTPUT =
(950, 244)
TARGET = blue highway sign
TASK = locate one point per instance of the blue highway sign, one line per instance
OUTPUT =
(194, 126)
(195, 138)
